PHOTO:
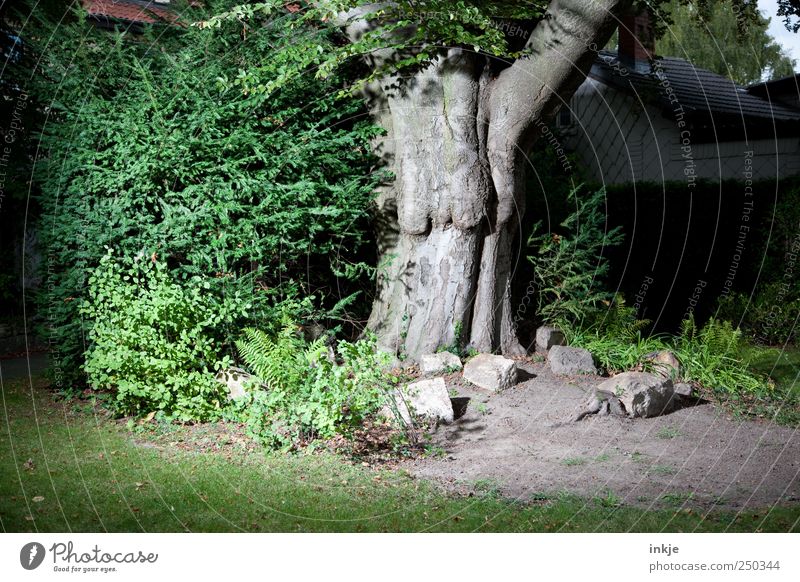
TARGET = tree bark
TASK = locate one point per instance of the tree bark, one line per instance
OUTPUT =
(457, 135)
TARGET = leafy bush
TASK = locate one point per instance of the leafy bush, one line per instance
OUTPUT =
(150, 340)
(770, 317)
(712, 357)
(615, 337)
(569, 267)
(147, 147)
(308, 394)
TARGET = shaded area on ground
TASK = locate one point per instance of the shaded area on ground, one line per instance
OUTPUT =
(31, 365)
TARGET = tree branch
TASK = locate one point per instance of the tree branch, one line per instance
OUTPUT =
(563, 46)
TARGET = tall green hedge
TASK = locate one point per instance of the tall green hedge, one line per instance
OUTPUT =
(146, 150)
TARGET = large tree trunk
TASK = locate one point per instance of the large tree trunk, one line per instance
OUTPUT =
(445, 245)
(457, 135)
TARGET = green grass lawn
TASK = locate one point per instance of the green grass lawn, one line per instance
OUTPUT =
(782, 365)
(65, 466)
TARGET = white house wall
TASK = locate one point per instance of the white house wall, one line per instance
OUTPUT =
(617, 140)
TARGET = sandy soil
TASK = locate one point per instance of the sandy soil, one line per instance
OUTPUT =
(519, 443)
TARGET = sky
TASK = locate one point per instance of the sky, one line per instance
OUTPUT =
(789, 40)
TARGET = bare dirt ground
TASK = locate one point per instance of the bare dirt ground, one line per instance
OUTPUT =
(521, 444)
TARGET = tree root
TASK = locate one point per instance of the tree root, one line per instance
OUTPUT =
(601, 403)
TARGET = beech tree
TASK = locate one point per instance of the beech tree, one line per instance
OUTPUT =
(713, 42)
(460, 89)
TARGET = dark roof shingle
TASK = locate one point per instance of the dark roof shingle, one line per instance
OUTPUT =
(697, 90)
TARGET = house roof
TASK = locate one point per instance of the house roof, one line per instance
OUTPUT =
(790, 85)
(698, 91)
(135, 11)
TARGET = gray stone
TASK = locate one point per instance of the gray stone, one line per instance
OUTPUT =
(440, 363)
(427, 398)
(236, 381)
(547, 337)
(642, 394)
(491, 372)
(665, 364)
(570, 361)
(684, 389)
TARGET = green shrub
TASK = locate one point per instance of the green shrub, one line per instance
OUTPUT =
(147, 147)
(569, 266)
(770, 317)
(150, 340)
(615, 355)
(615, 337)
(307, 393)
(712, 357)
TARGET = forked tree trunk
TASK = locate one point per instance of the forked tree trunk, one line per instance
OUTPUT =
(457, 135)
(445, 245)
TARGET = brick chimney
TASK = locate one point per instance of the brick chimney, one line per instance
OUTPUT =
(636, 42)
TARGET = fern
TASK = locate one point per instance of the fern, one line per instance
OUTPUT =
(309, 394)
(688, 330)
(615, 336)
(280, 361)
(711, 357)
(717, 340)
(569, 267)
(619, 321)
(721, 337)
